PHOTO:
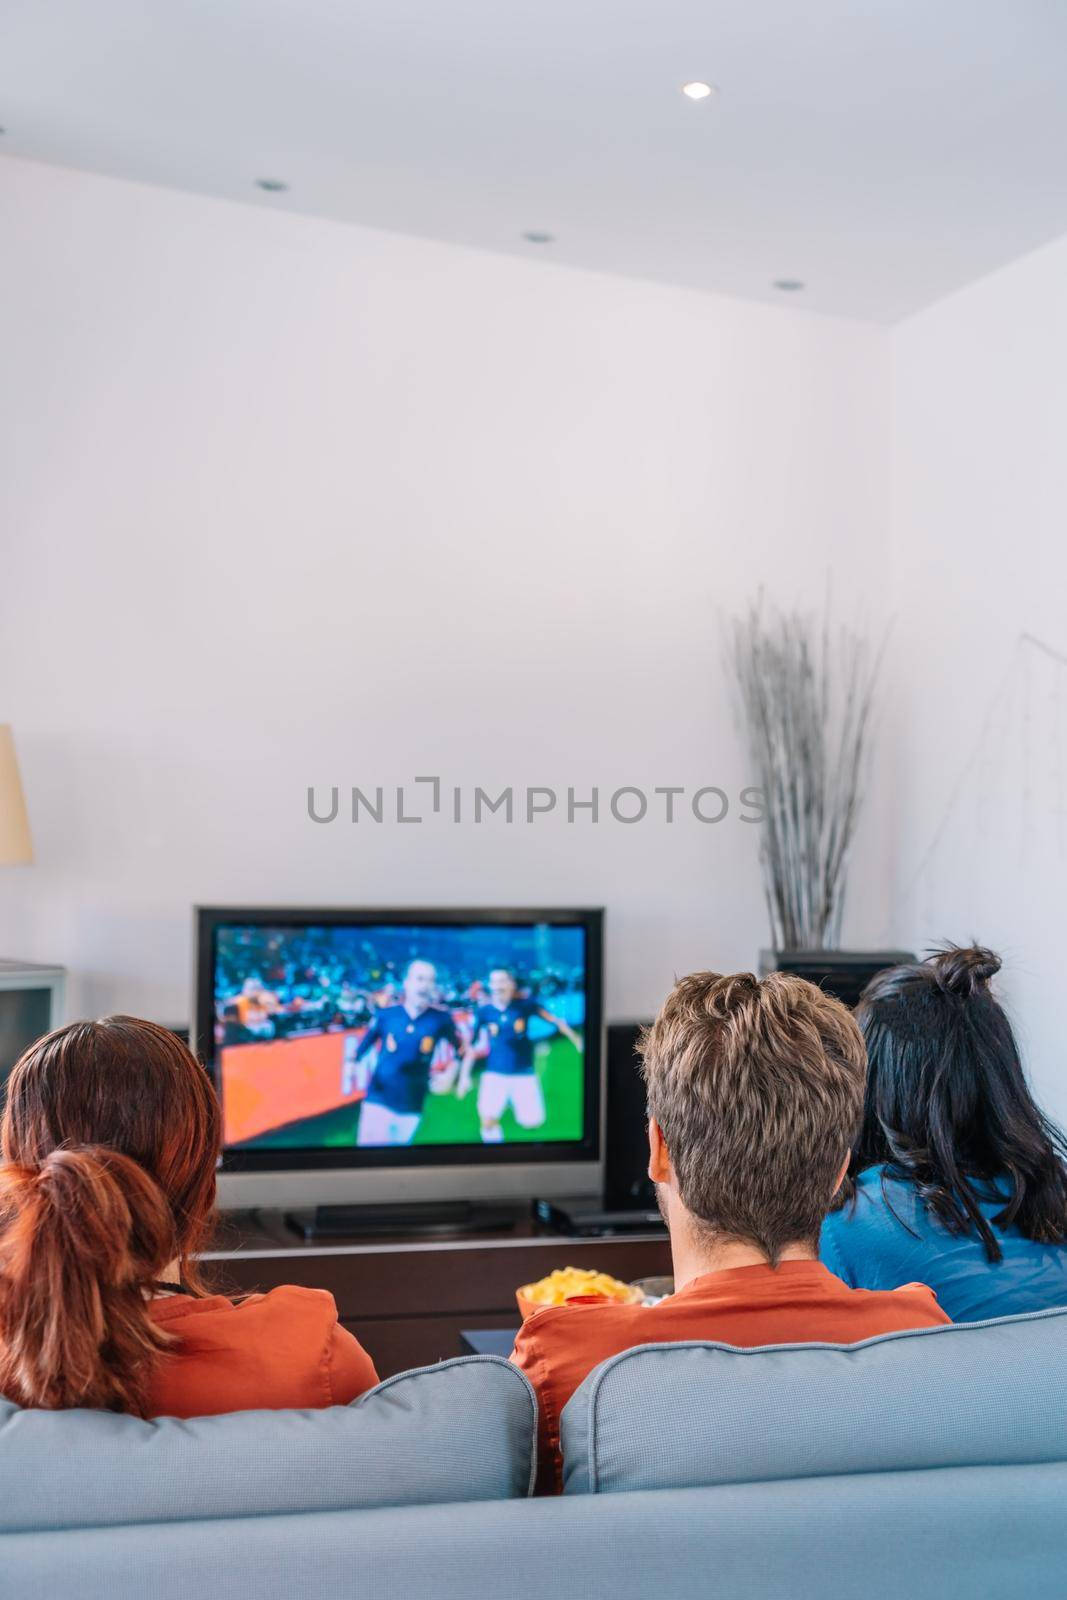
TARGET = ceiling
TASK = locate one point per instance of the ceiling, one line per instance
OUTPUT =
(883, 152)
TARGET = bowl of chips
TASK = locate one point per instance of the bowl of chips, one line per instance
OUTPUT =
(574, 1283)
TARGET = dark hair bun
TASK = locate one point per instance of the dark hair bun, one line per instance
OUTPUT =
(964, 972)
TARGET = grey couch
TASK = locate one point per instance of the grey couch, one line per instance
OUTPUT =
(924, 1464)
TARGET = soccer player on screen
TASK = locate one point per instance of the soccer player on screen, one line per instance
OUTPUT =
(502, 1040)
(407, 1037)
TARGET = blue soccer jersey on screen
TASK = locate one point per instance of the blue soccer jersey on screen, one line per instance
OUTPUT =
(508, 1031)
(406, 1048)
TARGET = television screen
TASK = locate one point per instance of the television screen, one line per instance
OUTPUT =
(351, 1037)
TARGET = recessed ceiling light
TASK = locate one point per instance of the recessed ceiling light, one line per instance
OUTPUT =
(536, 237)
(787, 285)
(698, 90)
(272, 185)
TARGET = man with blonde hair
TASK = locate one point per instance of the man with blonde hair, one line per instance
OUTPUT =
(755, 1091)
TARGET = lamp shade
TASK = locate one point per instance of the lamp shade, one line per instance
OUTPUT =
(16, 847)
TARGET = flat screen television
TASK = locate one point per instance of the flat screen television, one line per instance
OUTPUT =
(387, 1056)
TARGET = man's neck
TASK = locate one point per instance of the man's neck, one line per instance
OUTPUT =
(695, 1256)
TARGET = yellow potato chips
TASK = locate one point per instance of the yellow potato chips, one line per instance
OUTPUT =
(566, 1282)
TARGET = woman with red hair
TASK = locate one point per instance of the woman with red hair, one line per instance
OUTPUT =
(110, 1140)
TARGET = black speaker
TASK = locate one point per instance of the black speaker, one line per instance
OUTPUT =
(626, 1182)
(843, 973)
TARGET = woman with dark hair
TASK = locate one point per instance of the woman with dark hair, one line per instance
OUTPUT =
(957, 1179)
(110, 1139)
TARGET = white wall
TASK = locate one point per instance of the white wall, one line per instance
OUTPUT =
(979, 564)
(287, 502)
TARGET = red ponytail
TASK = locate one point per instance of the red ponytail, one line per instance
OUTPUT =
(110, 1138)
(83, 1238)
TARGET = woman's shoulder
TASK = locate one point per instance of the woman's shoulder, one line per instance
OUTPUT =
(289, 1346)
(311, 1315)
(878, 1198)
(880, 1185)
(866, 1240)
(291, 1300)
(293, 1293)
(288, 1303)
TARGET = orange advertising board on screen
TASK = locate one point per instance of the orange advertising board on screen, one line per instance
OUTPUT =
(265, 1086)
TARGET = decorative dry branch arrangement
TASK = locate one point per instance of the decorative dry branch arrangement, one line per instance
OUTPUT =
(806, 694)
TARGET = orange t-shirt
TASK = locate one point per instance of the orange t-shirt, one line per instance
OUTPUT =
(268, 1352)
(795, 1302)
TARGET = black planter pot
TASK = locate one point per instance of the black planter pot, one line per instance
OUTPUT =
(842, 973)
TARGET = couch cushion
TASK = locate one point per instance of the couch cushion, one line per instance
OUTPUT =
(697, 1414)
(993, 1533)
(462, 1430)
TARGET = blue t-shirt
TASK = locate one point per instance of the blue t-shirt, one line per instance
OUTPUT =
(508, 1031)
(871, 1248)
(406, 1049)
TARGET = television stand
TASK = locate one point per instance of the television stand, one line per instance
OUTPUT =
(415, 1217)
(409, 1300)
(588, 1219)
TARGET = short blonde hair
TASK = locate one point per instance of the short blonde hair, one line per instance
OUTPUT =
(758, 1088)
